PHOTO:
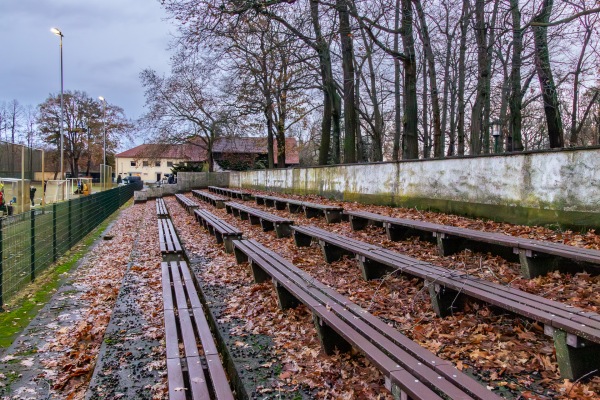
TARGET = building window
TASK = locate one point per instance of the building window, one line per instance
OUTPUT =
(133, 163)
(169, 163)
(157, 164)
(144, 163)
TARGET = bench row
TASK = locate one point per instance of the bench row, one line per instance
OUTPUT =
(267, 221)
(235, 194)
(331, 213)
(215, 200)
(575, 332)
(537, 257)
(184, 321)
(186, 327)
(411, 372)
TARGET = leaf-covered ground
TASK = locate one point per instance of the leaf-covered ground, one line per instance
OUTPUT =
(508, 353)
(57, 355)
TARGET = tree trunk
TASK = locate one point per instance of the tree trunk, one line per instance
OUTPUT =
(361, 153)
(348, 87)
(426, 139)
(410, 142)
(514, 141)
(282, 111)
(268, 111)
(477, 122)
(438, 136)
(397, 94)
(545, 77)
(464, 24)
(268, 116)
(329, 93)
(377, 144)
(574, 129)
(488, 79)
(452, 144)
(447, 84)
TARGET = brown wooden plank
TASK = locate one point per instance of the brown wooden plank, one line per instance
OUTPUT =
(206, 338)
(166, 287)
(198, 385)
(161, 237)
(180, 298)
(171, 339)
(187, 332)
(219, 378)
(175, 376)
(413, 388)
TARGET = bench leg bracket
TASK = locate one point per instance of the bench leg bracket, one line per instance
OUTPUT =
(284, 298)
(330, 339)
(533, 265)
(258, 274)
(444, 300)
(301, 239)
(370, 269)
(358, 224)
(574, 362)
(448, 245)
(331, 253)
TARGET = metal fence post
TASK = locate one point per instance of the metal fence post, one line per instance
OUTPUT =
(32, 248)
(81, 220)
(70, 233)
(1, 266)
(54, 250)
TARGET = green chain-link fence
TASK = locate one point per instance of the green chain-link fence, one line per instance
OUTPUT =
(32, 241)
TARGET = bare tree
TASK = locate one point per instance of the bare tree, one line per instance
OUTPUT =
(186, 107)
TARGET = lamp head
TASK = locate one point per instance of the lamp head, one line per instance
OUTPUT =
(56, 31)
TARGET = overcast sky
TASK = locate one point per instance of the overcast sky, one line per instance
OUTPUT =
(106, 44)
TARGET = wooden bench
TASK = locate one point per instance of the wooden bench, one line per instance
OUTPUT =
(187, 203)
(576, 333)
(537, 257)
(169, 242)
(215, 200)
(184, 321)
(161, 209)
(270, 201)
(331, 213)
(410, 371)
(221, 230)
(267, 221)
(235, 194)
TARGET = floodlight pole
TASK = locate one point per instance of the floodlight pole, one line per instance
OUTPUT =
(58, 33)
(103, 100)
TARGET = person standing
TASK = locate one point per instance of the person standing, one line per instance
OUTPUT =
(32, 194)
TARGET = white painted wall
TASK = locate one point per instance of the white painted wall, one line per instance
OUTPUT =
(567, 180)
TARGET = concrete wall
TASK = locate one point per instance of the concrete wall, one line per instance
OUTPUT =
(559, 188)
(187, 181)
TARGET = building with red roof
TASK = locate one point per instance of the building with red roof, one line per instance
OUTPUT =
(152, 162)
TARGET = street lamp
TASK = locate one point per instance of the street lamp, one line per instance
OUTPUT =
(103, 100)
(58, 33)
(496, 133)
